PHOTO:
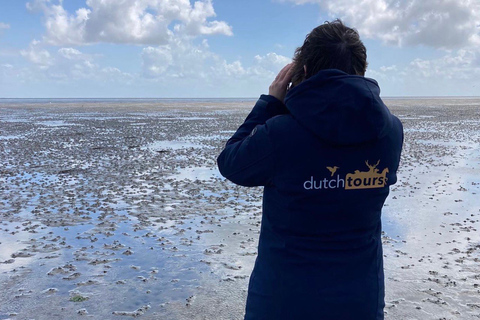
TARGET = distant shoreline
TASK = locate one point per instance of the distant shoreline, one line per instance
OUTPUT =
(229, 98)
(4, 101)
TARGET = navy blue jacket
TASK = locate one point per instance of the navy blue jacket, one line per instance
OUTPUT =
(326, 161)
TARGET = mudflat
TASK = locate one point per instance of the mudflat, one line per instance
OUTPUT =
(113, 209)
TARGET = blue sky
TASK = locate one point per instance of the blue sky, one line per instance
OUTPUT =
(181, 48)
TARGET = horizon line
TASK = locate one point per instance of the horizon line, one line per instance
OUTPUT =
(199, 98)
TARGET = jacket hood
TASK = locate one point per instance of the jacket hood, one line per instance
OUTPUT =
(339, 108)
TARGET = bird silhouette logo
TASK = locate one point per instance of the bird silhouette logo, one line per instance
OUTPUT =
(333, 170)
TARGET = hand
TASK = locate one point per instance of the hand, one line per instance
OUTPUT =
(279, 86)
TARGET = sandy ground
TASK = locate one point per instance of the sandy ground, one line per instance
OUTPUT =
(116, 210)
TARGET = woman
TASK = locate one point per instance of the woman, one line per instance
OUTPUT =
(326, 154)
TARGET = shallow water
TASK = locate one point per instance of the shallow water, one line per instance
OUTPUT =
(122, 204)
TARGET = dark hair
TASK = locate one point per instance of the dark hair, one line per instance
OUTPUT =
(331, 45)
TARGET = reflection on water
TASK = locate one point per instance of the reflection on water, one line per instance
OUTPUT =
(171, 145)
(197, 173)
(123, 206)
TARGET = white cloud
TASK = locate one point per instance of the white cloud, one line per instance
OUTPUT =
(6, 73)
(70, 53)
(181, 59)
(389, 68)
(145, 22)
(177, 59)
(114, 74)
(65, 64)
(175, 65)
(460, 65)
(173, 59)
(195, 19)
(455, 73)
(271, 62)
(185, 69)
(451, 26)
(234, 69)
(37, 55)
(171, 24)
(3, 26)
(439, 24)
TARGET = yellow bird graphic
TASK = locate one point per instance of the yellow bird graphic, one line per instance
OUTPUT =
(333, 170)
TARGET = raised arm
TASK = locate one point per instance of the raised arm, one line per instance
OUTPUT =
(248, 157)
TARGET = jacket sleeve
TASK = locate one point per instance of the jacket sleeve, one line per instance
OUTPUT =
(398, 150)
(248, 157)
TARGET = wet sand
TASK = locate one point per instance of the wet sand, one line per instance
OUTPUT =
(116, 210)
